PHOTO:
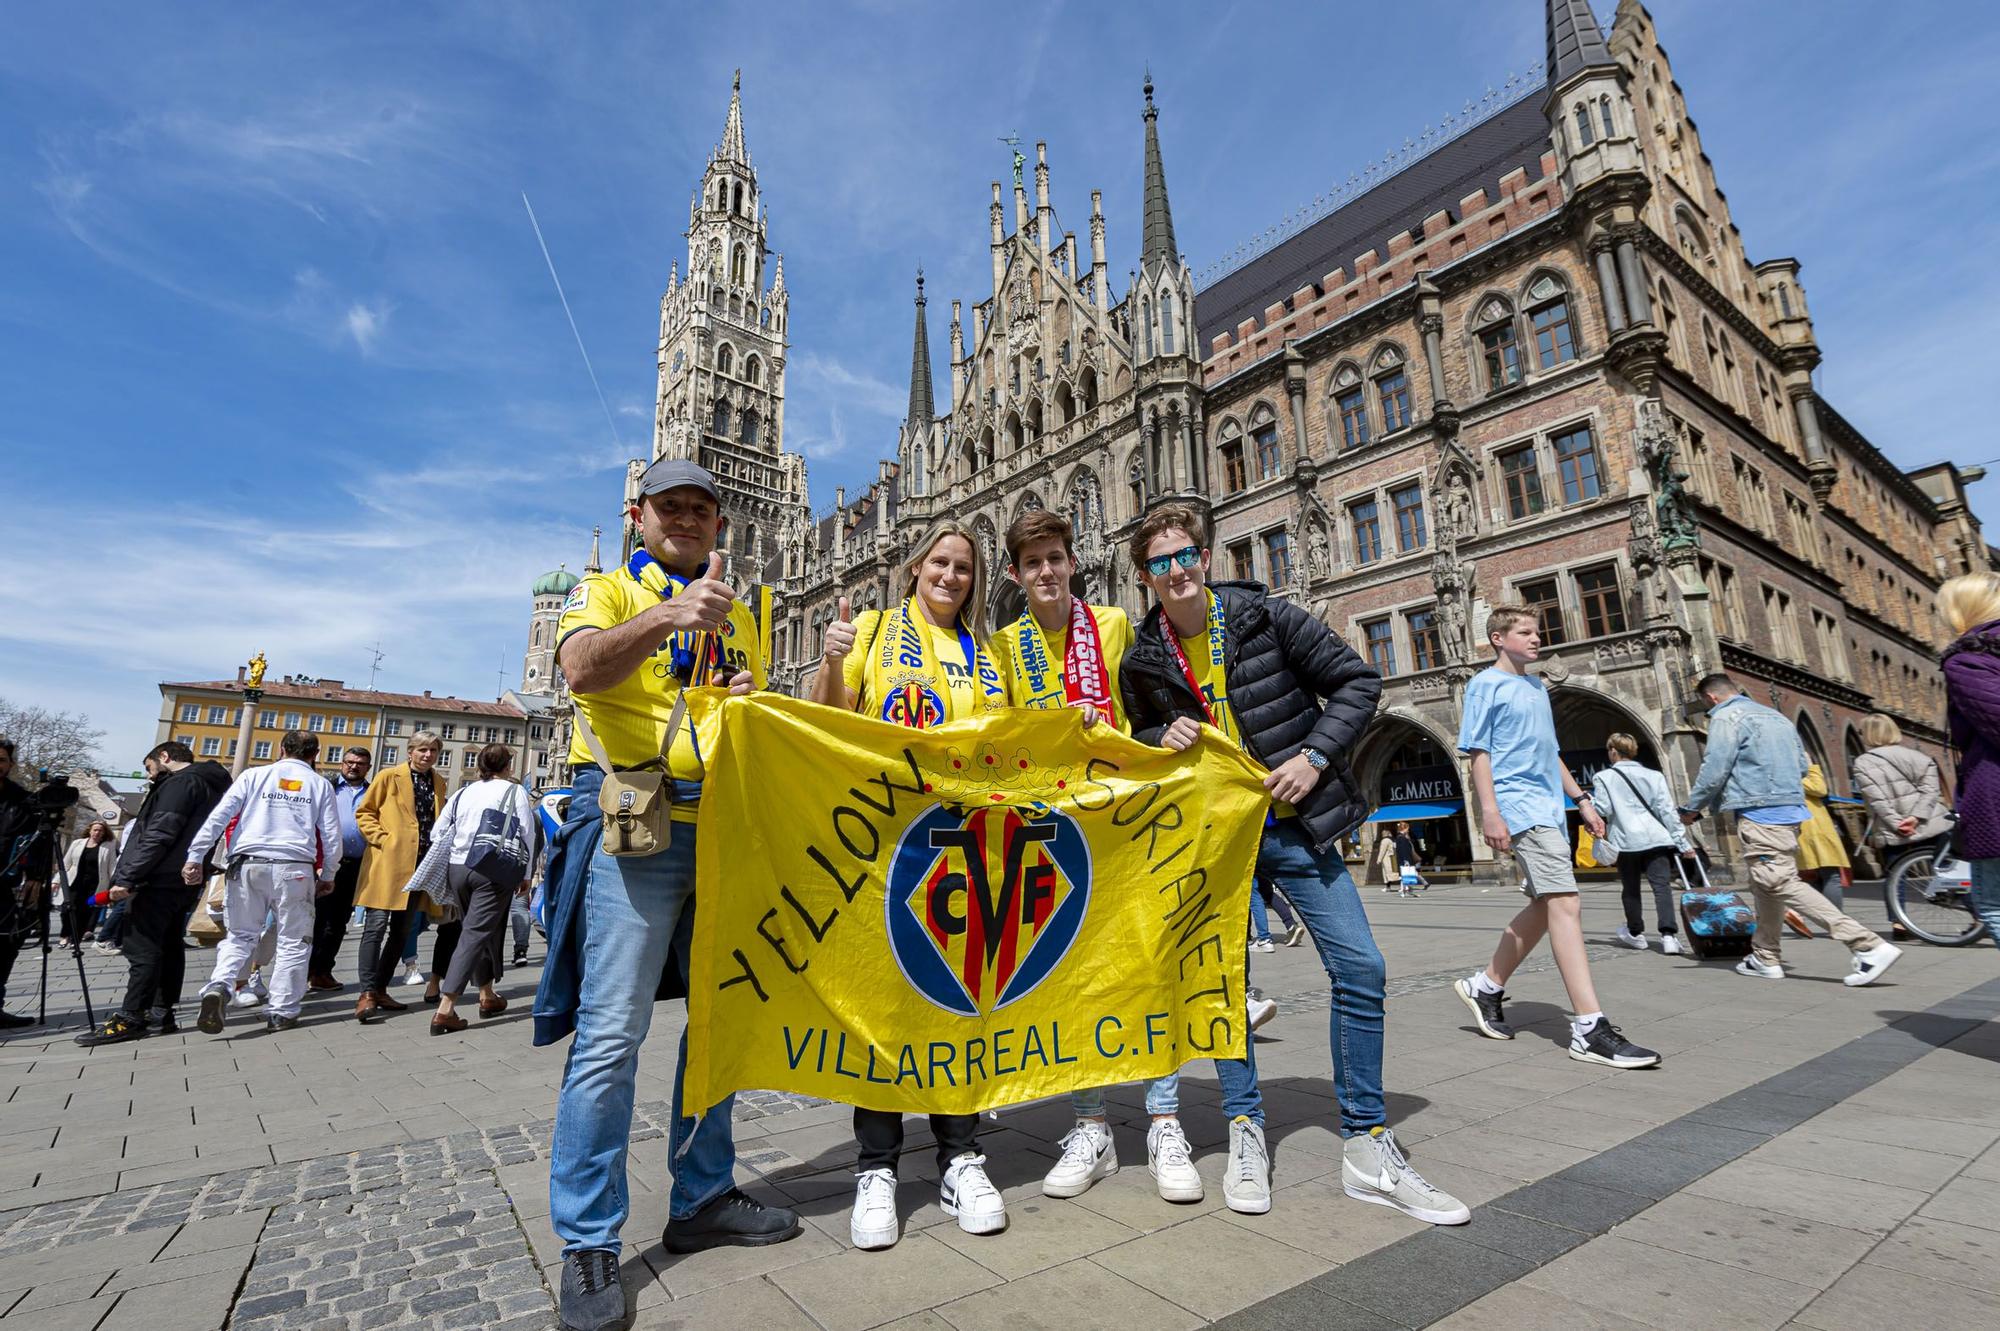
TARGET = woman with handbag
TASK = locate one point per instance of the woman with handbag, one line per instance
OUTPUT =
(1971, 609)
(482, 851)
(920, 664)
(87, 866)
(1645, 832)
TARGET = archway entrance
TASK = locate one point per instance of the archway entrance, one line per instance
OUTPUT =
(1407, 775)
(1584, 721)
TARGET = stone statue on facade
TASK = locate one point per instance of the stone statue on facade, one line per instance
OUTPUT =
(1673, 510)
(1319, 550)
(1455, 506)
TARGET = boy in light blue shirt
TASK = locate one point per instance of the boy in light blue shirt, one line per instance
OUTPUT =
(1519, 778)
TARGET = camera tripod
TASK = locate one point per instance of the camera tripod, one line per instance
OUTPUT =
(39, 904)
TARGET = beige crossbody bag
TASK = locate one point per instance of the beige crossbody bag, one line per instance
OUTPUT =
(636, 803)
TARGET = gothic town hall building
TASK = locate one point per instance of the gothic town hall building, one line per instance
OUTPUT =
(1534, 363)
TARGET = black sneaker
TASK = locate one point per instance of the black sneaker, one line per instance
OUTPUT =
(733, 1220)
(276, 1024)
(520, 958)
(1486, 1014)
(214, 1003)
(117, 1029)
(1602, 1043)
(164, 1024)
(593, 1299)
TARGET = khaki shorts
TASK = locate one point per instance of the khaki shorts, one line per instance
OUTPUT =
(1542, 855)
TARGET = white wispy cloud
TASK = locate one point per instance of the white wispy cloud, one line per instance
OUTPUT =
(365, 321)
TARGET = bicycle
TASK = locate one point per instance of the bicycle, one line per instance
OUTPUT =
(1930, 893)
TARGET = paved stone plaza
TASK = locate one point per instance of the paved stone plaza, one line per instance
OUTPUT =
(1810, 1155)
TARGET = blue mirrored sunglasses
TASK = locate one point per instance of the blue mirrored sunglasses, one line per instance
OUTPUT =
(1187, 557)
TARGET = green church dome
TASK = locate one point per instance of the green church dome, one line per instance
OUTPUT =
(557, 583)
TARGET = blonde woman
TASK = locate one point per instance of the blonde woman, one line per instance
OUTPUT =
(919, 664)
(1901, 786)
(395, 818)
(1971, 609)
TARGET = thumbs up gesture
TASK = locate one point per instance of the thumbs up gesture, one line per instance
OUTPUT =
(703, 604)
(840, 634)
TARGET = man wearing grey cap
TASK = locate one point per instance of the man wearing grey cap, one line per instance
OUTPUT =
(629, 640)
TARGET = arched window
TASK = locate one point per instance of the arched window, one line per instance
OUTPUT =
(1264, 438)
(1785, 299)
(1166, 324)
(1670, 321)
(1065, 403)
(749, 427)
(720, 423)
(1584, 136)
(1089, 383)
(1549, 320)
(1146, 318)
(1350, 406)
(1034, 421)
(725, 359)
(736, 200)
(753, 370)
(1604, 116)
(739, 263)
(1499, 344)
(1229, 446)
(1012, 432)
(1392, 389)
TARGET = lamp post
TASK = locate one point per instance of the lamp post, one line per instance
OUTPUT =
(253, 693)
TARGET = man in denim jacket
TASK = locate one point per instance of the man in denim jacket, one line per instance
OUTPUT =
(1753, 767)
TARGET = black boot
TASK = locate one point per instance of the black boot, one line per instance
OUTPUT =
(733, 1220)
(14, 1021)
(593, 1299)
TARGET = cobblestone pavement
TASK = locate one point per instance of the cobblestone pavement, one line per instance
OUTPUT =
(1810, 1155)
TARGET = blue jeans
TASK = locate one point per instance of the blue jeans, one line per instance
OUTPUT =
(1163, 1096)
(1260, 919)
(1324, 897)
(1986, 895)
(631, 908)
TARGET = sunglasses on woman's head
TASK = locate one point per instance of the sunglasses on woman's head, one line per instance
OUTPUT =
(1187, 557)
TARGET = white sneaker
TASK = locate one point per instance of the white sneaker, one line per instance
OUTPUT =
(966, 1192)
(1626, 938)
(1171, 1163)
(1761, 970)
(253, 994)
(1372, 1169)
(1087, 1156)
(416, 976)
(1246, 1179)
(1260, 1011)
(1869, 965)
(1263, 945)
(873, 1224)
(1671, 945)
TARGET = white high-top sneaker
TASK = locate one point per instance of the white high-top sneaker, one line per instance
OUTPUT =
(873, 1224)
(966, 1193)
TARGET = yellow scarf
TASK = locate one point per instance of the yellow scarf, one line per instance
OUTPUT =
(909, 685)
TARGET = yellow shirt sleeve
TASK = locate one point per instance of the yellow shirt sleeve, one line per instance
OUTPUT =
(598, 602)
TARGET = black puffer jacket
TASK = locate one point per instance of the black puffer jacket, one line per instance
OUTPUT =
(1293, 684)
(173, 812)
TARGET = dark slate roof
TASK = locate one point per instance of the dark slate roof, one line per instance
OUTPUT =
(1159, 217)
(1476, 159)
(1576, 43)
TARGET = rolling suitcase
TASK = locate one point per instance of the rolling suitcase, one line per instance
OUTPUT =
(1713, 924)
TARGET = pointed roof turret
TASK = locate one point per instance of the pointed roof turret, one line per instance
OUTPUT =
(1159, 232)
(596, 564)
(731, 148)
(1576, 43)
(922, 410)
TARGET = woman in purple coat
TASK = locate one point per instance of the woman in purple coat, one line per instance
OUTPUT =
(1971, 607)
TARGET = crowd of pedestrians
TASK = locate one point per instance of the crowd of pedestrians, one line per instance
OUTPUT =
(301, 857)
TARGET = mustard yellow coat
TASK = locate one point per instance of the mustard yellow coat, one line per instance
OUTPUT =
(1819, 840)
(387, 817)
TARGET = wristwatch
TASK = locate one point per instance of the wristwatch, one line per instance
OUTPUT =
(1315, 757)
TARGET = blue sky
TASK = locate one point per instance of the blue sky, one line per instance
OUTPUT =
(283, 370)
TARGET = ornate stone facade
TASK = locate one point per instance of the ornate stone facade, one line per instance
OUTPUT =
(1532, 364)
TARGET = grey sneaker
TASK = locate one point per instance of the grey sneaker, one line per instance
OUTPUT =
(214, 1002)
(1372, 1169)
(1246, 1179)
(593, 1298)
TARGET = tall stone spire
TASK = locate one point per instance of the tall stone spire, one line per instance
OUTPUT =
(596, 564)
(731, 148)
(1576, 43)
(1159, 233)
(922, 409)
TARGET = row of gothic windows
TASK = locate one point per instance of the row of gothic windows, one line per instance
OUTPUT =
(747, 423)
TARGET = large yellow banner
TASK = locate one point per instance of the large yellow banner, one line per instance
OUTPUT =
(954, 919)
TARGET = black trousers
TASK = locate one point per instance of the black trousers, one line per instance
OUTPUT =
(446, 945)
(155, 920)
(15, 926)
(475, 957)
(1656, 866)
(879, 1133)
(330, 914)
(382, 934)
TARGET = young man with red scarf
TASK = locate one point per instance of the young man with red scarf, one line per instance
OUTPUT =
(1273, 679)
(1062, 652)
